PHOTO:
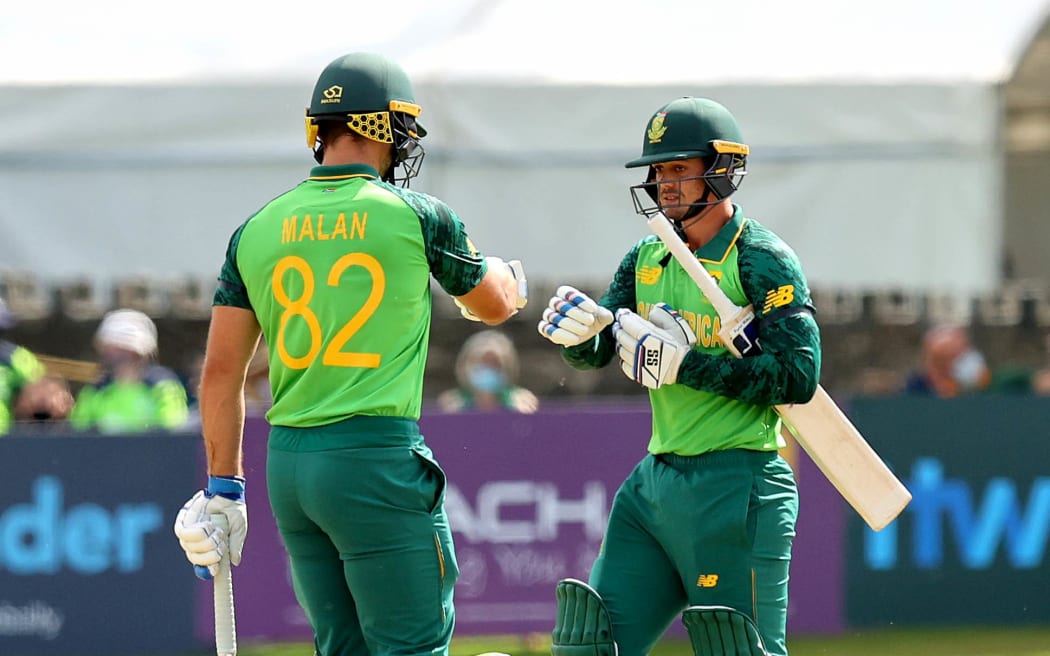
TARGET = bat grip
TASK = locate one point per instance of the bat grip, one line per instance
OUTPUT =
(225, 621)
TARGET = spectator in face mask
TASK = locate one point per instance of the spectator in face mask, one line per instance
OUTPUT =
(133, 392)
(486, 371)
(951, 366)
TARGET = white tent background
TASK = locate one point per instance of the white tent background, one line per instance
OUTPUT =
(130, 144)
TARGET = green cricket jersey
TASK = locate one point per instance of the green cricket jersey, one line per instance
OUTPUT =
(18, 368)
(156, 402)
(337, 270)
(720, 402)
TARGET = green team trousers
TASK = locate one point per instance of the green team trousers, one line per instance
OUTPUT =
(360, 508)
(713, 529)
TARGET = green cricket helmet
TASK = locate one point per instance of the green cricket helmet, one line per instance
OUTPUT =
(374, 97)
(686, 128)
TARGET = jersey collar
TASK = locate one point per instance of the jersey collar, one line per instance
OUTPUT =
(719, 248)
(343, 171)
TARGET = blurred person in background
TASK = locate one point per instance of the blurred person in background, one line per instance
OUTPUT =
(1040, 379)
(949, 366)
(27, 394)
(487, 372)
(44, 405)
(707, 517)
(952, 366)
(133, 392)
(336, 274)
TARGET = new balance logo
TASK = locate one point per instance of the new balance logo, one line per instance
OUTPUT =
(648, 275)
(707, 581)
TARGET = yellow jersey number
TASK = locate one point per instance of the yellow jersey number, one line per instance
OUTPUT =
(334, 356)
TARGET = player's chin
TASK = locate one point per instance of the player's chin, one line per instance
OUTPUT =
(674, 212)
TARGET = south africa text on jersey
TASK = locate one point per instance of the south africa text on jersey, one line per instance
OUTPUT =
(309, 228)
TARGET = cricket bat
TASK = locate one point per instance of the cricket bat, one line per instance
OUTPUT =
(225, 620)
(820, 426)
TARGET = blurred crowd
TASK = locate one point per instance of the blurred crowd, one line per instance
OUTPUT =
(125, 389)
(126, 392)
(951, 365)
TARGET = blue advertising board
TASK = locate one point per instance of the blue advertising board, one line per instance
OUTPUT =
(89, 565)
(972, 546)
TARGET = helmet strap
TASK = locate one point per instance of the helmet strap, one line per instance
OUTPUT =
(692, 215)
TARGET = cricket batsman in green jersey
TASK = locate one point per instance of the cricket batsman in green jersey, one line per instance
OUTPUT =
(335, 273)
(703, 525)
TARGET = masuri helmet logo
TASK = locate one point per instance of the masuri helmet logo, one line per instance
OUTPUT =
(332, 94)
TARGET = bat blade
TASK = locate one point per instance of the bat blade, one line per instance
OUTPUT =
(846, 459)
(821, 428)
(225, 616)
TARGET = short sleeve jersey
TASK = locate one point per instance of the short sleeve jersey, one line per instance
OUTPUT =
(337, 272)
(156, 401)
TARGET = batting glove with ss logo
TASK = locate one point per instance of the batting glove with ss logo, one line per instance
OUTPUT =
(651, 351)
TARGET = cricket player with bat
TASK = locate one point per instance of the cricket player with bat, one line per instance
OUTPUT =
(703, 526)
(335, 274)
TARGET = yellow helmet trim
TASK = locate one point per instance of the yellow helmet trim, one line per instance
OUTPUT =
(409, 108)
(730, 147)
(371, 125)
(311, 130)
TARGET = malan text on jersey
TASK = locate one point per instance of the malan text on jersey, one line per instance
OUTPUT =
(310, 229)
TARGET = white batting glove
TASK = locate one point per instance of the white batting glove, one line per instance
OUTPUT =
(571, 317)
(516, 270)
(203, 541)
(652, 351)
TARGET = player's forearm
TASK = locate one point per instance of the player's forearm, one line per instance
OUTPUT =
(761, 380)
(788, 371)
(222, 422)
(501, 292)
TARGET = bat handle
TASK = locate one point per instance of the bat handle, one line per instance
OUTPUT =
(225, 620)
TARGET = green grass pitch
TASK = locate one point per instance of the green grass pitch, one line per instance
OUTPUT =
(997, 641)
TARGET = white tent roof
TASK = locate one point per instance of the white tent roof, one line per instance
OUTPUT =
(877, 130)
(583, 41)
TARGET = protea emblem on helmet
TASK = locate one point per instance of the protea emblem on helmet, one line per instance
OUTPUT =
(657, 128)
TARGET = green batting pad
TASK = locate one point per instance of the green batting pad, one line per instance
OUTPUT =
(722, 631)
(583, 627)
